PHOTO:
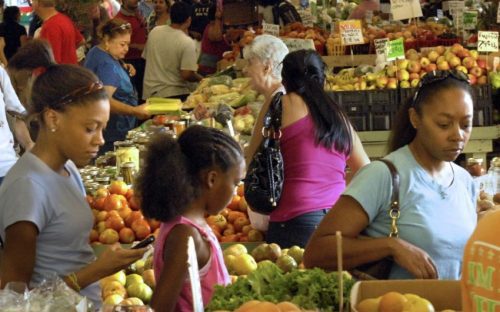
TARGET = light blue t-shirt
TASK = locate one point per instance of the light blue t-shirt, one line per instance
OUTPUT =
(56, 204)
(435, 218)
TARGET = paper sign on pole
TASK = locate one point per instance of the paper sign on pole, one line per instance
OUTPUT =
(271, 29)
(351, 32)
(298, 44)
(439, 13)
(307, 17)
(368, 16)
(455, 7)
(487, 41)
(469, 20)
(405, 9)
(194, 276)
(395, 49)
(381, 46)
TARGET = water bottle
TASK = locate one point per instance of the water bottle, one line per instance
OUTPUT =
(492, 184)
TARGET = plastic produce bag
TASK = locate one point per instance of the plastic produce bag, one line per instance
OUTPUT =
(52, 295)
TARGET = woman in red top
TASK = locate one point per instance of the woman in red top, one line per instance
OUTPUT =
(213, 43)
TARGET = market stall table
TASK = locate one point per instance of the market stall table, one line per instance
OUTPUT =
(480, 143)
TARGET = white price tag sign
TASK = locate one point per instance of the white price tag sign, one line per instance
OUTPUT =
(368, 16)
(381, 46)
(298, 44)
(351, 32)
(439, 13)
(307, 17)
(405, 9)
(456, 7)
(271, 29)
(487, 41)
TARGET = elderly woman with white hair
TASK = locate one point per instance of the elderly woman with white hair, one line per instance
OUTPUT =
(317, 142)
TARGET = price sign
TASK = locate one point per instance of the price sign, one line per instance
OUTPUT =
(298, 44)
(271, 29)
(351, 32)
(307, 17)
(439, 13)
(395, 49)
(368, 16)
(487, 41)
(470, 19)
(405, 9)
(456, 7)
(381, 46)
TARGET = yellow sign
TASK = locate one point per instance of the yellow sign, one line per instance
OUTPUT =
(351, 32)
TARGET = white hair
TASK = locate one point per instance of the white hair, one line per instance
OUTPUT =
(268, 50)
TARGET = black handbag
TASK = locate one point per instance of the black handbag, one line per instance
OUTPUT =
(381, 269)
(264, 178)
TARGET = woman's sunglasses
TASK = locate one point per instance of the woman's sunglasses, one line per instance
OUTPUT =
(437, 76)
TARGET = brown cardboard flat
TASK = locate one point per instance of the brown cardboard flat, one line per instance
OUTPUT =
(442, 294)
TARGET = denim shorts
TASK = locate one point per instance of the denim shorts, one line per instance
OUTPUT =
(295, 231)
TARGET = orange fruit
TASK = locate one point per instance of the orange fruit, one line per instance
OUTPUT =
(392, 302)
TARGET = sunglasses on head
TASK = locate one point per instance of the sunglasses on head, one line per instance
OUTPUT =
(80, 92)
(125, 26)
(437, 76)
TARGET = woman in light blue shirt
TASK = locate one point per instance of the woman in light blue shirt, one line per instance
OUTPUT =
(437, 197)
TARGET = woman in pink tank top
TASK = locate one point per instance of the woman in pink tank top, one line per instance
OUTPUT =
(317, 144)
(182, 181)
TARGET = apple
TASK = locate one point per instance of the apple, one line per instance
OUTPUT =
(414, 82)
(94, 235)
(118, 187)
(113, 287)
(440, 49)
(124, 212)
(115, 222)
(472, 79)
(109, 236)
(134, 215)
(416, 303)
(133, 279)
(114, 299)
(443, 66)
(381, 82)
(476, 71)
(464, 53)
(255, 236)
(482, 80)
(455, 61)
(404, 84)
(118, 277)
(462, 69)
(139, 266)
(101, 192)
(403, 75)
(132, 301)
(392, 83)
(115, 202)
(433, 56)
(149, 278)
(217, 220)
(449, 55)
(424, 62)
(469, 62)
(414, 66)
(413, 57)
(391, 70)
(482, 63)
(455, 48)
(99, 203)
(414, 76)
(100, 227)
(243, 205)
(474, 54)
(402, 64)
(440, 59)
(126, 235)
(142, 230)
(141, 291)
(101, 216)
(431, 67)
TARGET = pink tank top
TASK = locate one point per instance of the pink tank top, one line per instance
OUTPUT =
(314, 175)
(213, 273)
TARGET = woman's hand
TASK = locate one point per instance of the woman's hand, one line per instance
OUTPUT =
(414, 260)
(115, 258)
(130, 68)
(141, 112)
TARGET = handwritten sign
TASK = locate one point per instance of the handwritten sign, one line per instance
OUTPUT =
(381, 46)
(470, 19)
(298, 44)
(439, 13)
(487, 41)
(307, 17)
(395, 49)
(405, 9)
(271, 29)
(351, 32)
(456, 7)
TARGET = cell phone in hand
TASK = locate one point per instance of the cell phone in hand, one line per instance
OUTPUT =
(148, 240)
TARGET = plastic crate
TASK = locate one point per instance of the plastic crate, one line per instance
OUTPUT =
(335, 49)
(448, 42)
(383, 105)
(358, 49)
(355, 105)
(405, 94)
(483, 106)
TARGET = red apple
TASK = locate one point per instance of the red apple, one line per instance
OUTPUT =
(414, 67)
(476, 71)
(424, 62)
(481, 63)
(431, 67)
(127, 236)
(455, 61)
(414, 76)
(472, 79)
(109, 236)
(455, 48)
(469, 62)
(443, 66)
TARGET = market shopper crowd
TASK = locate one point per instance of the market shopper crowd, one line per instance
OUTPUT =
(79, 111)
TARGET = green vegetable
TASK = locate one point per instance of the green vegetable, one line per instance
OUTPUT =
(309, 289)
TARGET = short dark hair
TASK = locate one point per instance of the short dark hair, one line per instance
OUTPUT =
(35, 53)
(113, 28)
(304, 73)
(402, 132)
(171, 176)
(180, 12)
(59, 83)
(11, 13)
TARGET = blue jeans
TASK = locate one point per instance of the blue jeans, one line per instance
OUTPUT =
(295, 231)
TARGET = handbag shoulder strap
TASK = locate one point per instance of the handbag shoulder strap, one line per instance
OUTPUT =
(394, 211)
(272, 119)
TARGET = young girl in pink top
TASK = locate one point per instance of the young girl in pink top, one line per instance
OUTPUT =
(181, 182)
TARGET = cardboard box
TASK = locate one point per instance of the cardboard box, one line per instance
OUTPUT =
(442, 294)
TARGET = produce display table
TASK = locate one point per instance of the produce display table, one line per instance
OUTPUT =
(480, 143)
